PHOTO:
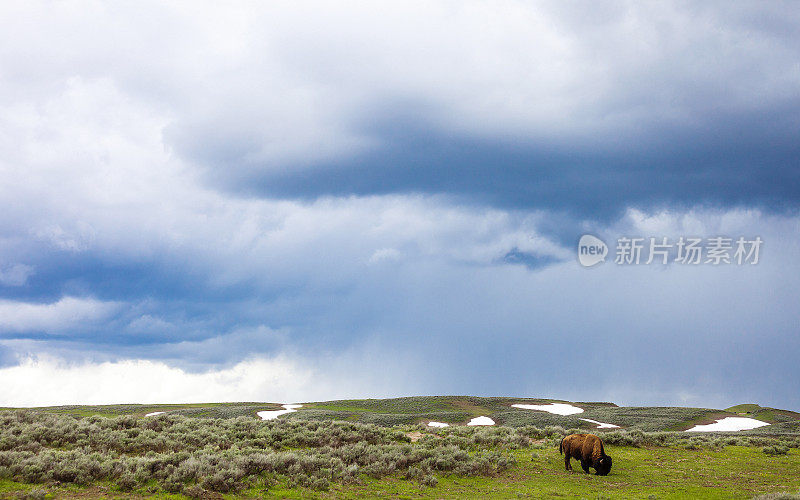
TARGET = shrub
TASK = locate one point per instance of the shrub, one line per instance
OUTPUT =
(775, 450)
(201, 456)
(778, 496)
(429, 480)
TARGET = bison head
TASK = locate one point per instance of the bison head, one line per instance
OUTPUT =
(603, 466)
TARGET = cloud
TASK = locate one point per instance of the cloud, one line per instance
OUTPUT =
(451, 326)
(359, 371)
(67, 314)
(530, 106)
(203, 279)
(512, 104)
(16, 274)
(44, 382)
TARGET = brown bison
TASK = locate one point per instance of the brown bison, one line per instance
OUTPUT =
(587, 448)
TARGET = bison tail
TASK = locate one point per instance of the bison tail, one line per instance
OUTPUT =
(561, 446)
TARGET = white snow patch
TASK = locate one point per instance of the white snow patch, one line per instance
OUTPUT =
(557, 408)
(154, 413)
(600, 425)
(481, 421)
(729, 424)
(438, 424)
(270, 415)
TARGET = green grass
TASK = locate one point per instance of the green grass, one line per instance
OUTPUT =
(662, 473)
(744, 408)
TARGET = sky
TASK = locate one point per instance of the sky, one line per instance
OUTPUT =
(304, 201)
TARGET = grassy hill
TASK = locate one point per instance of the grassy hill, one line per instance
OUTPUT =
(458, 410)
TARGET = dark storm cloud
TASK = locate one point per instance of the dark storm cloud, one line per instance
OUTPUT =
(594, 110)
(747, 159)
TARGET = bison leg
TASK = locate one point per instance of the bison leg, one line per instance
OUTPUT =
(567, 465)
(585, 466)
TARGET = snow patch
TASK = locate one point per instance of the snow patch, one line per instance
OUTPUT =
(154, 413)
(557, 408)
(600, 425)
(481, 421)
(729, 424)
(271, 415)
(438, 424)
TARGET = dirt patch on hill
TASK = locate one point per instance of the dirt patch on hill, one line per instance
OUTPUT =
(414, 436)
(704, 420)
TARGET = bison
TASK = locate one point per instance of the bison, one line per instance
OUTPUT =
(587, 448)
